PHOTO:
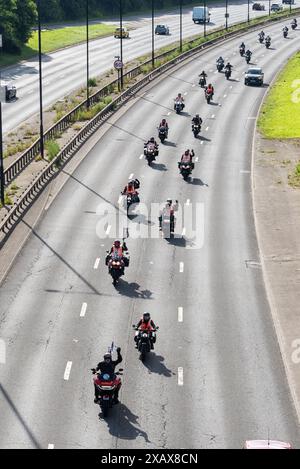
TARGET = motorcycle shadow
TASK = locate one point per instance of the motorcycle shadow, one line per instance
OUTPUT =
(125, 426)
(184, 114)
(154, 364)
(179, 242)
(140, 219)
(132, 290)
(201, 137)
(213, 103)
(170, 144)
(159, 167)
(197, 182)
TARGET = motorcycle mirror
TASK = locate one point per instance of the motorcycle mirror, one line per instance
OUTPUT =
(133, 325)
(121, 369)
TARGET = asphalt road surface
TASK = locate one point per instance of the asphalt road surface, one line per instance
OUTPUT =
(216, 376)
(65, 71)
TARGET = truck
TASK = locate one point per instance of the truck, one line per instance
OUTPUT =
(201, 15)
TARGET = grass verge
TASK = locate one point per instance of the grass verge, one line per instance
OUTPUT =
(280, 114)
(294, 178)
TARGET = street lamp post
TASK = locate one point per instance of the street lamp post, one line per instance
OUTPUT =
(269, 7)
(40, 80)
(87, 57)
(226, 16)
(153, 58)
(180, 12)
(204, 22)
(248, 11)
(2, 196)
(121, 41)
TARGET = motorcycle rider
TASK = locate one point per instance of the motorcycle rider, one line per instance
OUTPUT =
(210, 90)
(108, 366)
(204, 76)
(294, 22)
(130, 189)
(179, 99)
(220, 61)
(285, 30)
(145, 324)
(243, 47)
(168, 211)
(262, 35)
(116, 247)
(229, 67)
(268, 40)
(152, 140)
(187, 158)
(197, 120)
(165, 125)
(248, 54)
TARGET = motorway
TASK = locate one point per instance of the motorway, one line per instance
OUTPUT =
(216, 377)
(65, 71)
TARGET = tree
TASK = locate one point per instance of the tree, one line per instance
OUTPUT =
(26, 18)
(16, 20)
(51, 10)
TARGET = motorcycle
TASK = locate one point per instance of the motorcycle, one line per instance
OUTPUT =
(248, 58)
(227, 73)
(116, 265)
(167, 225)
(220, 66)
(196, 129)
(261, 39)
(242, 51)
(202, 81)
(162, 134)
(294, 25)
(178, 106)
(208, 96)
(268, 44)
(186, 169)
(151, 152)
(285, 33)
(132, 199)
(144, 341)
(106, 385)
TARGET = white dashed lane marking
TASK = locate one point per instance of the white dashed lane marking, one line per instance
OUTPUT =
(83, 310)
(180, 314)
(97, 262)
(181, 267)
(180, 376)
(50, 446)
(67, 371)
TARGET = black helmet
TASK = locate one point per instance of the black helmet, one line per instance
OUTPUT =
(169, 201)
(146, 316)
(197, 115)
(152, 140)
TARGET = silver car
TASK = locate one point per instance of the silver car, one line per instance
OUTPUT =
(254, 76)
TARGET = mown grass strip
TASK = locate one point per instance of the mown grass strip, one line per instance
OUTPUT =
(280, 114)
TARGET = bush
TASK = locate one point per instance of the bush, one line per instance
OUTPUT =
(52, 148)
(92, 82)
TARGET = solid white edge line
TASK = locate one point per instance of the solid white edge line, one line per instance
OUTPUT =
(97, 262)
(83, 310)
(180, 376)
(180, 314)
(67, 371)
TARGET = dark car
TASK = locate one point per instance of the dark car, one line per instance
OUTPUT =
(258, 6)
(254, 76)
(289, 2)
(162, 29)
(10, 92)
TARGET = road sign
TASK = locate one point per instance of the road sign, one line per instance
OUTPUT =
(118, 64)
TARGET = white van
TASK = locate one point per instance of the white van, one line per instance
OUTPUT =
(201, 15)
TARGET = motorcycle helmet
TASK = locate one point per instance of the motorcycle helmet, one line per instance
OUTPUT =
(107, 356)
(163, 121)
(152, 140)
(179, 95)
(197, 116)
(187, 152)
(146, 316)
(169, 201)
(117, 244)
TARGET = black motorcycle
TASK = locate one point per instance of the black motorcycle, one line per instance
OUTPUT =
(248, 58)
(151, 152)
(178, 107)
(196, 129)
(242, 51)
(208, 96)
(186, 169)
(261, 39)
(227, 73)
(162, 134)
(285, 33)
(268, 44)
(220, 66)
(202, 81)
(144, 342)
(294, 25)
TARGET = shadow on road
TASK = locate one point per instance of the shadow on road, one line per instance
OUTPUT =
(31, 436)
(133, 290)
(154, 364)
(125, 426)
(170, 144)
(197, 182)
(159, 167)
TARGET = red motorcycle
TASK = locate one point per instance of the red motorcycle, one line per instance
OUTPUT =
(107, 385)
(116, 265)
